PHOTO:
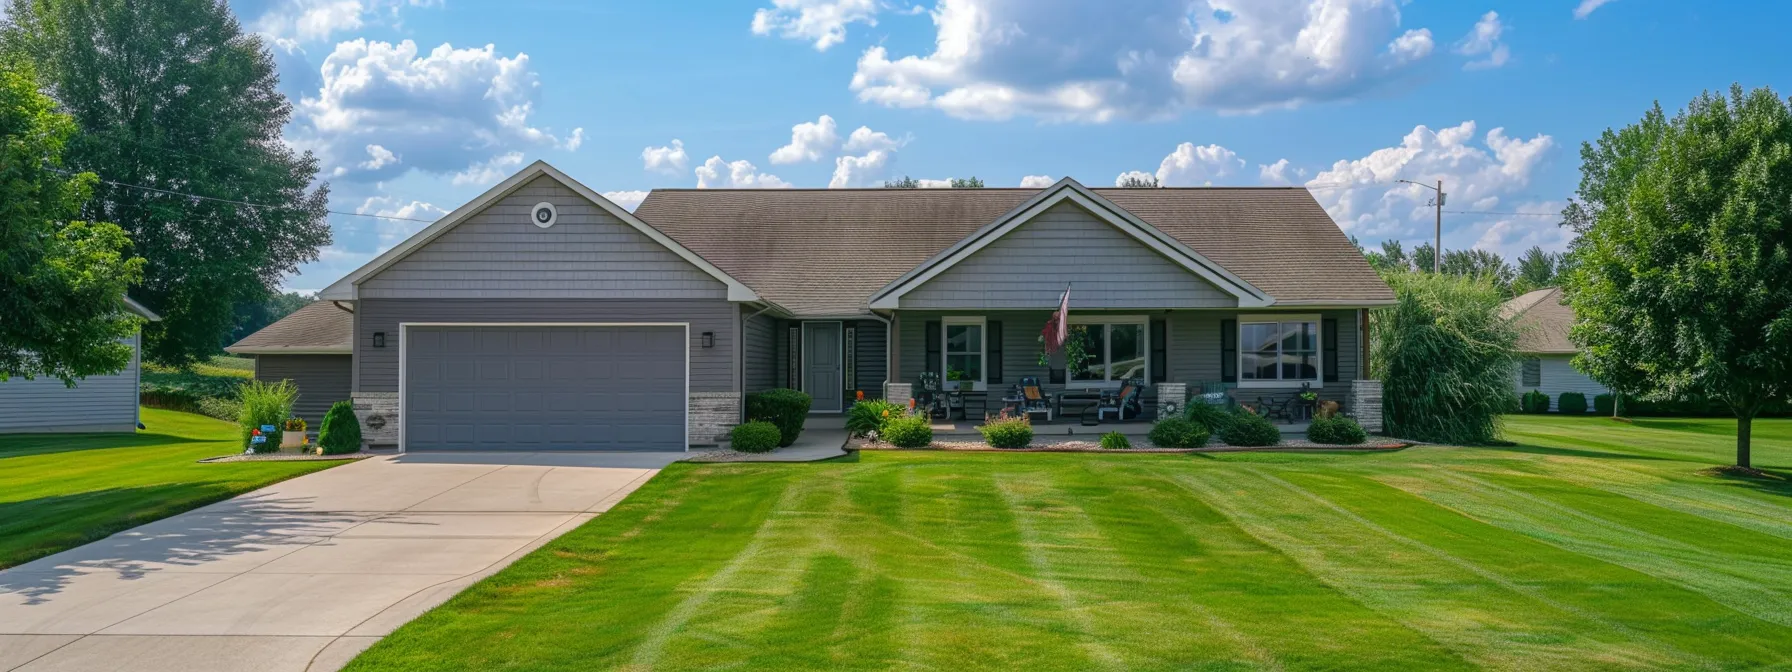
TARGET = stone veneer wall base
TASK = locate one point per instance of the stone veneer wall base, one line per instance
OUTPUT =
(713, 415)
(1365, 403)
(378, 414)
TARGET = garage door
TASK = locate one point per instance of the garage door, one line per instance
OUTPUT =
(544, 388)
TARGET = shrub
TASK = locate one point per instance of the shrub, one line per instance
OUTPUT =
(1445, 357)
(1534, 402)
(868, 417)
(1213, 417)
(1007, 432)
(1178, 433)
(1250, 429)
(1115, 441)
(340, 432)
(758, 436)
(1571, 402)
(265, 404)
(1337, 431)
(222, 409)
(908, 431)
(1602, 404)
(782, 407)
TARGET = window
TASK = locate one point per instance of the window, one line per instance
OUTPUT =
(1278, 350)
(1118, 347)
(1533, 373)
(964, 350)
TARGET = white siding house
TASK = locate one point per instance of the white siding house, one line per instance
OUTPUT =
(1546, 353)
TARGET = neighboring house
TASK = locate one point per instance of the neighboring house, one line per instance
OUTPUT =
(541, 316)
(311, 347)
(1546, 353)
(105, 403)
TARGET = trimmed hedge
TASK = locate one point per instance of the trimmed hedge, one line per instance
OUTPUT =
(1534, 402)
(1115, 441)
(758, 436)
(340, 432)
(1337, 431)
(1602, 404)
(868, 417)
(1007, 432)
(1178, 433)
(1248, 429)
(908, 431)
(785, 408)
(1572, 403)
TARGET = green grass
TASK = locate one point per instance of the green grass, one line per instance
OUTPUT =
(58, 491)
(1593, 545)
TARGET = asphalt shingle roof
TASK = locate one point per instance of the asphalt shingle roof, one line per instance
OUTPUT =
(1543, 322)
(317, 327)
(826, 251)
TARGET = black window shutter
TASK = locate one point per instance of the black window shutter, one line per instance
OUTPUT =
(992, 345)
(935, 345)
(1160, 362)
(1330, 327)
(1229, 351)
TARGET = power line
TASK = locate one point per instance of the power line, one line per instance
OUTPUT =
(1512, 214)
(245, 204)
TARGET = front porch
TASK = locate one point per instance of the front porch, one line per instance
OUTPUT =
(1072, 427)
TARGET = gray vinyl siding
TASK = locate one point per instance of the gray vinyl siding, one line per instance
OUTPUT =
(105, 403)
(500, 253)
(1029, 267)
(1558, 376)
(759, 335)
(712, 369)
(322, 380)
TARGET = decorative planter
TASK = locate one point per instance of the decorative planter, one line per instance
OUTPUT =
(292, 440)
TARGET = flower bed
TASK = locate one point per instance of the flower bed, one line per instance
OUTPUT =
(1093, 445)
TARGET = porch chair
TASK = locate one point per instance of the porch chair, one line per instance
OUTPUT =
(1034, 399)
(1122, 405)
(931, 398)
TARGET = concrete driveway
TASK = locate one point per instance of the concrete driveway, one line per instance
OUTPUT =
(304, 574)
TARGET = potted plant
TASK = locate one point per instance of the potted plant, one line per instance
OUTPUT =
(956, 380)
(292, 434)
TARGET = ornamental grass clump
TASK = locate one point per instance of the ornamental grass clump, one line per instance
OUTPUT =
(1248, 429)
(1115, 441)
(1336, 431)
(1176, 432)
(867, 418)
(1212, 416)
(264, 405)
(908, 431)
(785, 408)
(1445, 357)
(758, 436)
(340, 433)
(1007, 432)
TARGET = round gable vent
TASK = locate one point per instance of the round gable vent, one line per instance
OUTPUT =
(543, 214)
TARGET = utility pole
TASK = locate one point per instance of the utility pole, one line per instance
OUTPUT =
(1437, 248)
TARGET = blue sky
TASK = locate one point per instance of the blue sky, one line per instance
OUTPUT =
(416, 106)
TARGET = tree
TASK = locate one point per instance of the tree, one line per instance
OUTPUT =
(1681, 280)
(1445, 356)
(1536, 270)
(1480, 263)
(1391, 257)
(61, 281)
(1136, 181)
(251, 317)
(905, 183)
(966, 183)
(1424, 257)
(173, 95)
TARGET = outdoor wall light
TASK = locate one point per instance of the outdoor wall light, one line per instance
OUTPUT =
(709, 339)
(379, 339)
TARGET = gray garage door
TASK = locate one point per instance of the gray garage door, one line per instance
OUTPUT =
(544, 388)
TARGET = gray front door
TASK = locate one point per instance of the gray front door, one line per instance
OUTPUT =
(544, 388)
(821, 365)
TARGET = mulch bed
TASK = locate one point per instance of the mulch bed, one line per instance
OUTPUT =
(1065, 445)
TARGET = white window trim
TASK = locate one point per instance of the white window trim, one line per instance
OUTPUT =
(1318, 351)
(1143, 321)
(981, 384)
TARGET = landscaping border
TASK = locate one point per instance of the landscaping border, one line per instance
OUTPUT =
(1374, 445)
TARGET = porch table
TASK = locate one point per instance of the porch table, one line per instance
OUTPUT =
(1087, 398)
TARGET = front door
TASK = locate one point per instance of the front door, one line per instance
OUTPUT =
(821, 365)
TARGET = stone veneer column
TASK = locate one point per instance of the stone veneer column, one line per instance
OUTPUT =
(898, 393)
(378, 414)
(1171, 397)
(1365, 403)
(713, 414)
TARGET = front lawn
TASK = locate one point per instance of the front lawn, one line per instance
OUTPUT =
(58, 491)
(1592, 545)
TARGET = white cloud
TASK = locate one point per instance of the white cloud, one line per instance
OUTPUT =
(1121, 179)
(1037, 181)
(391, 231)
(1586, 7)
(489, 172)
(290, 23)
(1190, 165)
(629, 200)
(574, 141)
(668, 159)
(378, 157)
(441, 111)
(718, 174)
(935, 184)
(821, 21)
(1365, 198)
(1511, 235)
(1484, 41)
(1081, 61)
(865, 139)
(1279, 173)
(809, 141)
(861, 171)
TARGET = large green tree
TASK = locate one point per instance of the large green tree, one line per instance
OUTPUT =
(251, 317)
(173, 95)
(1536, 269)
(61, 281)
(1682, 276)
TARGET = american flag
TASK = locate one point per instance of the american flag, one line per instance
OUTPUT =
(1057, 329)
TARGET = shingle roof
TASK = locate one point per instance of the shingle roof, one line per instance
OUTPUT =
(1543, 322)
(319, 327)
(826, 251)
